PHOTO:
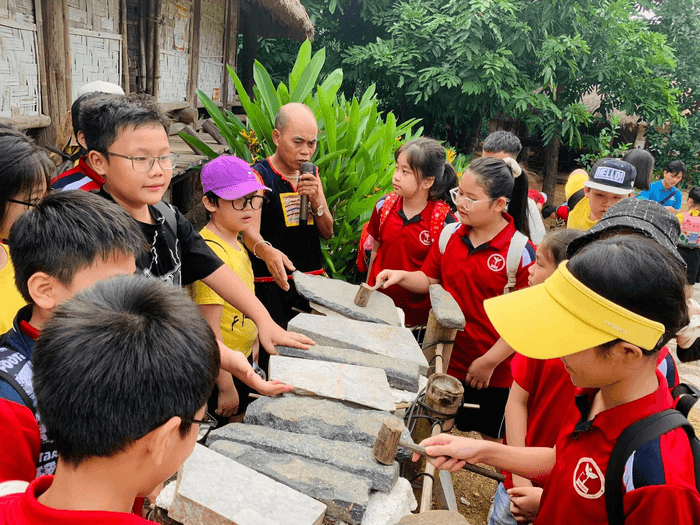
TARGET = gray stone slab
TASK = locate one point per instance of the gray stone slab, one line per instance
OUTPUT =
(363, 385)
(390, 341)
(323, 418)
(446, 310)
(348, 457)
(215, 490)
(400, 373)
(345, 495)
(340, 296)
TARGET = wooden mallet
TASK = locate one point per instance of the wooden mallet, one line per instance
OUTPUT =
(362, 296)
(389, 440)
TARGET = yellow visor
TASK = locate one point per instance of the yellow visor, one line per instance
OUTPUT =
(562, 316)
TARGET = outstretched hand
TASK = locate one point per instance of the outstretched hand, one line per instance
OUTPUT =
(275, 388)
(278, 264)
(392, 277)
(451, 452)
(271, 334)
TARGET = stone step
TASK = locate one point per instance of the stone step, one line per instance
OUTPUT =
(400, 373)
(348, 457)
(390, 341)
(339, 296)
(216, 490)
(345, 495)
(321, 417)
(358, 384)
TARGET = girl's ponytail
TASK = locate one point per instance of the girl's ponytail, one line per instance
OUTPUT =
(518, 206)
(440, 189)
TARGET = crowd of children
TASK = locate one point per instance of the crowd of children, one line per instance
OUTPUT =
(104, 382)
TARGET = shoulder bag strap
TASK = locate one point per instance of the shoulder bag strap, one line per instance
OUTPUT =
(515, 254)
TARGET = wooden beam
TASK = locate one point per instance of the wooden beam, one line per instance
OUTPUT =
(157, 23)
(143, 68)
(43, 137)
(228, 30)
(194, 53)
(125, 48)
(28, 122)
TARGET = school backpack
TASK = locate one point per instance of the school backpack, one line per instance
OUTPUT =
(515, 252)
(690, 231)
(639, 433)
(437, 220)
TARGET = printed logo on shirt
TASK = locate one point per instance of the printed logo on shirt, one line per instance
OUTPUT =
(589, 481)
(611, 174)
(424, 237)
(496, 262)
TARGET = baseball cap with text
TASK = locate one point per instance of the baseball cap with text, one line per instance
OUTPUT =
(613, 176)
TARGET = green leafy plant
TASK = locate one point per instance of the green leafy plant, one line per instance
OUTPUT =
(356, 143)
(602, 145)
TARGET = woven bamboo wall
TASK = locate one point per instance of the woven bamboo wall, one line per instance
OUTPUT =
(174, 50)
(211, 51)
(19, 73)
(96, 44)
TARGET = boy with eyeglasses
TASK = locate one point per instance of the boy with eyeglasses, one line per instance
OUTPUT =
(127, 142)
(125, 415)
(233, 197)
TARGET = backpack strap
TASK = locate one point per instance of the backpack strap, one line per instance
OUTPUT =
(5, 353)
(633, 437)
(445, 235)
(515, 254)
(168, 214)
(672, 194)
(387, 206)
(575, 198)
(437, 220)
(686, 396)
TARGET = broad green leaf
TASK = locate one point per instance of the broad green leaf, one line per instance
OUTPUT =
(267, 90)
(303, 58)
(201, 146)
(308, 77)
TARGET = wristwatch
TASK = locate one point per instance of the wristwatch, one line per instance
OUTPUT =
(319, 211)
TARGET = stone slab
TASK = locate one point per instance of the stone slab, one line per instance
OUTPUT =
(400, 373)
(363, 385)
(390, 341)
(445, 308)
(323, 418)
(345, 495)
(387, 509)
(339, 296)
(322, 310)
(348, 457)
(434, 517)
(215, 490)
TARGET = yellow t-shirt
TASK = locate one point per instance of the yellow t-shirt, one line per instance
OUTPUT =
(238, 332)
(580, 216)
(11, 298)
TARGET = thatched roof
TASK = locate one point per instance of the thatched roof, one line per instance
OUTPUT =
(592, 102)
(290, 15)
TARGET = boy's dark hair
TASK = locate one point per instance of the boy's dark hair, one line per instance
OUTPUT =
(25, 167)
(427, 158)
(638, 274)
(213, 198)
(66, 232)
(676, 166)
(503, 141)
(556, 242)
(497, 179)
(694, 194)
(75, 108)
(643, 161)
(117, 361)
(103, 118)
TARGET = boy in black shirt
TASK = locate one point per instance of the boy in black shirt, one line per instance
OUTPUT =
(128, 146)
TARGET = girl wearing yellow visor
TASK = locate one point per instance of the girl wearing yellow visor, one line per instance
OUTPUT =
(606, 313)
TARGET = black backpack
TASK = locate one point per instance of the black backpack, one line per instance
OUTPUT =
(635, 435)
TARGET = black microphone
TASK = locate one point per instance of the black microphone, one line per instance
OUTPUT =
(306, 167)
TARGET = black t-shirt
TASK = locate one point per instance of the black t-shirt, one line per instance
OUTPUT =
(178, 258)
(301, 243)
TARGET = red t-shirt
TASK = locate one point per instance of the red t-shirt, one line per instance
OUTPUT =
(405, 244)
(24, 509)
(535, 196)
(19, 433)
(473, 275)
(81, 177)
(659, 484)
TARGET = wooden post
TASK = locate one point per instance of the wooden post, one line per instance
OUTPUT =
(143, 67)
(228, 29)
(54, 17)
(156, 46)
(125, 48)
(250, 49)
(437, 332)
(551, 168)
(44, 133)
(194, 53)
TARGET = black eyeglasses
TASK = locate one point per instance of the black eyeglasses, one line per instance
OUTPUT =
(256, 202)
(25, 203)
(206, 425)
(145, 162)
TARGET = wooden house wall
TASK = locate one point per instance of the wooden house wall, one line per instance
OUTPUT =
(19, 72)
(96, 42)
(175, 57)
(211, 49)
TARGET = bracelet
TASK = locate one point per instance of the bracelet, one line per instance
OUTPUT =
(256, 245)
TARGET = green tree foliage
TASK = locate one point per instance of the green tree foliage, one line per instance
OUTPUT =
(356, 143)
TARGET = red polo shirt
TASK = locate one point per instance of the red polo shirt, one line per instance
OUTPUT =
(81, 177)
(405, 244)
(25, 509)
(472, 275)
(659, 482)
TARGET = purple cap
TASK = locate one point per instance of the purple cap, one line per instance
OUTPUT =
(229, 178)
